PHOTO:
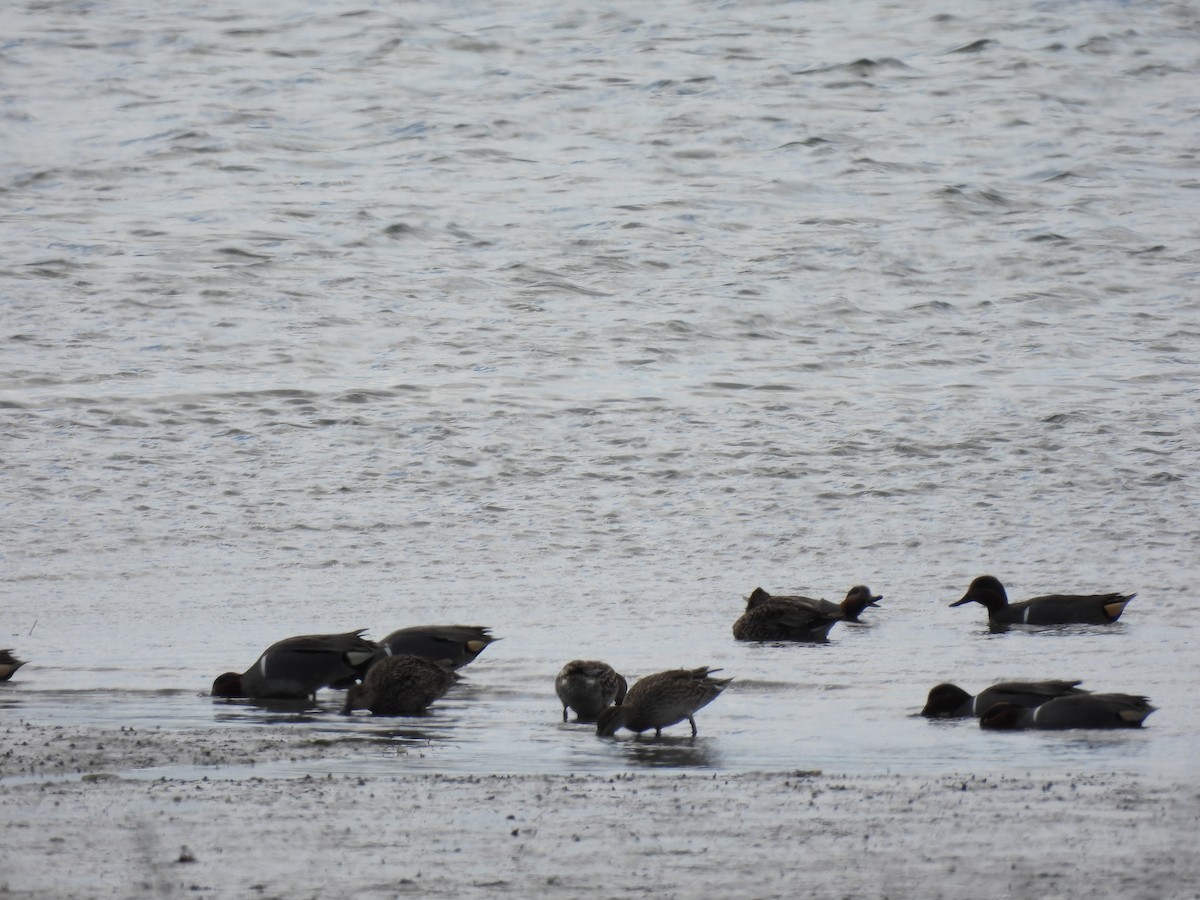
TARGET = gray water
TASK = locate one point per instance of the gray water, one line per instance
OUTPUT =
(581, 322)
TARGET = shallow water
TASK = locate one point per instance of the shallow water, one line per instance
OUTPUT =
(581, 323)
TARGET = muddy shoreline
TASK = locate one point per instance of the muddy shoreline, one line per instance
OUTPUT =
(85, 820)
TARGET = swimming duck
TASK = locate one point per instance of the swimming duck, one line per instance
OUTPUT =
(663, 699)
(454, 645)
(785, 618)
(588, 686)
(1072, 711)
(949, 701)
(402, 685)
(9, 664)
(297, 667)
(1052, 609)
(857, 599)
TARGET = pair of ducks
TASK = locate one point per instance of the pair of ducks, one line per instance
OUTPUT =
(1051, 705)
(400, 675)
(597, 692)
(795, 618)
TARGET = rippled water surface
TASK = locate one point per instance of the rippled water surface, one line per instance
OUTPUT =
(581, 322)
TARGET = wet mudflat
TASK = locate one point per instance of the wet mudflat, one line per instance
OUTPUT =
(113, 831)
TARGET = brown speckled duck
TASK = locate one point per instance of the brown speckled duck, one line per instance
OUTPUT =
(1051, 609)
(588, 686)
(400, 686)
(297, 667)
(785, 618)
(663, 699)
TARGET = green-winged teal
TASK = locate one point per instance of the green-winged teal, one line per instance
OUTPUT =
(9, 664)
(400, 686)
(663, 699)
(949, 701)
(785, 618)
(1052, 609)
(588, 686)
(454, 645)
(1072, 711)
(297, 667)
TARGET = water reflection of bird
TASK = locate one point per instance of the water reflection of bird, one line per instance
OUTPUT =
(663, 699)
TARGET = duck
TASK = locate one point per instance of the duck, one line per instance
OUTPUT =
(857, 599)
(589, 686)
(296, 668)
(1071, 711)
(663, 699)
(454, 645)
(9, 664)
(949, 701)
(1052, 609)
(785, 618)
(403, 685)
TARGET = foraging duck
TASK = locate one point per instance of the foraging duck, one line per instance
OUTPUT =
(1052, 609)
(455, 645)
(297, 667)
(588, 686)
(663, 699)
(785, 618)
(9, 664)
(1072, 711)
(400, 686)
(949, 701)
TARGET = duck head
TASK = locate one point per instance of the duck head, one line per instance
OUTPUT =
(944, 701)
(857, 599)
(228, 684)
(985, 589)
(609, 720)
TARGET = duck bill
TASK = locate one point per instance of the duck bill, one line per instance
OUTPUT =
(962, 601)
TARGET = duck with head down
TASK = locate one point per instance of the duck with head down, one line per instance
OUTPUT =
(949, 701)
(589, 686)
(297, 667)
(400, 686)
(661, 700)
